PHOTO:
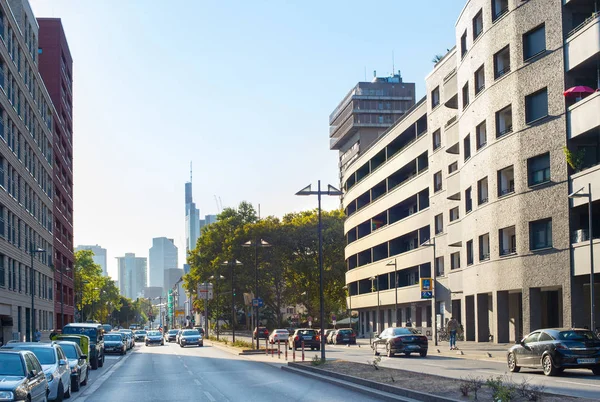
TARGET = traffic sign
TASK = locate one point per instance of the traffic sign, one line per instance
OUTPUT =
(333, 317)
(426, 294)
(258, 302)
(426, 284)
(309, 318)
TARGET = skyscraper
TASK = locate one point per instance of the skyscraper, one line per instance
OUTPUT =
(192, 218)
(208, 219)
(132, 275)
(99, 256)
(163, 255)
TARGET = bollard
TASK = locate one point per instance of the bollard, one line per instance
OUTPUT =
(273, 350)
(286, 348)
(278, 349)
(294, 351)
(267, 346)
(302, 350)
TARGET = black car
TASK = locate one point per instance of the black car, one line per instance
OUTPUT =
(310, 337)
(172, 335)
(190, 337)
(554, 350)
(115, 342)
(261, 333)
(400, 340)
(22, 377)
(95, 332)
(343, 336)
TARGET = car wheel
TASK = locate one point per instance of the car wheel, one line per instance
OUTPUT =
(60, 393)
(406, 354)
(388, 350)
(596, 370)
(375, 352)
(512, 363)
(180, 345)
(85, 380)
(75, 386)
(101, 361)
(548, 367)
(423, 354)
(95, 363)
(68, 393)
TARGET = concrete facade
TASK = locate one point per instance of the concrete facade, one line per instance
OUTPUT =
(26, 177)
(133, 275)
(99, 257)
(487, 183)
(163, 255)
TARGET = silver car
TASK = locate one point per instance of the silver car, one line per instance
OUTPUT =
(54, 363)
(78, 364)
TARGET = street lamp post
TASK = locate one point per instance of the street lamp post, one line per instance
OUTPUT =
(256, 244)
(333, 192)
(376, 278)
(431, 243)
(33, 251)
(588, 195)
(395, 264)
(232, 264)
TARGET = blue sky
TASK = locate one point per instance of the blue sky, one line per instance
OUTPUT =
(241, 88)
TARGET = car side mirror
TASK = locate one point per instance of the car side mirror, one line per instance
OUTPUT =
(83, 357)
(62, 362)
(32, 374)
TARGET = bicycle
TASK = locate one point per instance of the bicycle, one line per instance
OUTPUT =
(443, 336)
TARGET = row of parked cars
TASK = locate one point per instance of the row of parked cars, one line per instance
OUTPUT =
(311, 337)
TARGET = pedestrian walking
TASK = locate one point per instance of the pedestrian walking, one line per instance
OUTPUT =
(452, 327)
(37, 336)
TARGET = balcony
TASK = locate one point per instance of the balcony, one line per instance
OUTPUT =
(387, 297)
(581, 257)
(455, 234)
(582, 179)
(583, 116)
(450, 86)
(451, 133)
(453, 186)
(583, 42)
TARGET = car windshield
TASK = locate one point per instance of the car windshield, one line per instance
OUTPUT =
(140, 332)
(344, 331)
(113, 338)
(280, 331)
(405, 331)
(91, 332)
(44, 355)
(190, 332)
(11, 365)
(69, 350)
(173, 331)
(307, 332)
(153, 333)
(575, 335)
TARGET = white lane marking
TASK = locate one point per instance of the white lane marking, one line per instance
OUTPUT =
(190, 372)
(578, 383)
(96, 384)
(197, 381)
(209, 396)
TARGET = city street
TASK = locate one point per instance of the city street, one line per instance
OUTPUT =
(170, 373)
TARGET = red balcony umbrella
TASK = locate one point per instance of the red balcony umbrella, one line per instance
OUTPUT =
(578, 91)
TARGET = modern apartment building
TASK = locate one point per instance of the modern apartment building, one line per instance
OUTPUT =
(56, 69)
(26, 178)
(471, 187)
(132, 275)
(99, 256)
(366, 111)
(163, 255)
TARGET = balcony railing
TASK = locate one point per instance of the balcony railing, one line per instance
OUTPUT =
(583, 24)
(449, 122)
(581, 235)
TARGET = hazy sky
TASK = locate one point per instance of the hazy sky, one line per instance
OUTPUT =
(241, 88)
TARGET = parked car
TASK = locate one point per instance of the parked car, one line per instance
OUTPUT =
(190, 337)
(554, 350)
(54, 363)
(22, 377)
(95, 333)
(172, 335)
(280, 335)
(140, 335)
(107, 327)
(115, 342)
(201, 330)
(310, 337)
(130, 339)
(77, 364)
(82, 340)
(261, 333)
(400, 340)
(343, 336)
(154, 338)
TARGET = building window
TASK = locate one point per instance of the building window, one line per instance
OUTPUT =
(482, 191)
(467, 146)
(437, 139)
(504, 121)
(506, 181)
(439, 223)
(534, 42)
(502, 62)
(470, 252)
(435, 97)
(455, 260)
(454, 214)
(437, 181)
(478, 24)
(479, 79)
(481, 135)
(484, 247)
(1, 25)
(2, 74)
(465, 95)
(538, 169)
(463, 44)
(468, 200)
(499, 8)
(453, 167)
(508, 241)
(2, 271)
(439, 266)
(536, 106)
(540, 234)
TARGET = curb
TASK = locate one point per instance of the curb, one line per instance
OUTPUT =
(234, 350)
(374, 387)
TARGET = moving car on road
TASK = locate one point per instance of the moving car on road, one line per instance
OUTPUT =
(190, 337)
(172, 335)
(140, 335)
(115, 342)
(400, 340)
(54, 363)
(77, 364)
(154, 338)
(343, 336)
(280, 335)
(310, 337)
(555, 350)
(95, 333)
(260, 332)
(22, 377)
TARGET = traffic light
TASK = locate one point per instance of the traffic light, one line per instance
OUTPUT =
(234, 291)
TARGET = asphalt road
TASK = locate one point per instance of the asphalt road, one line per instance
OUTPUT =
(170, 373)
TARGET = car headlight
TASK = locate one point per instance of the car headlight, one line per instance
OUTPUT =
(49, 377)
(6, 395)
